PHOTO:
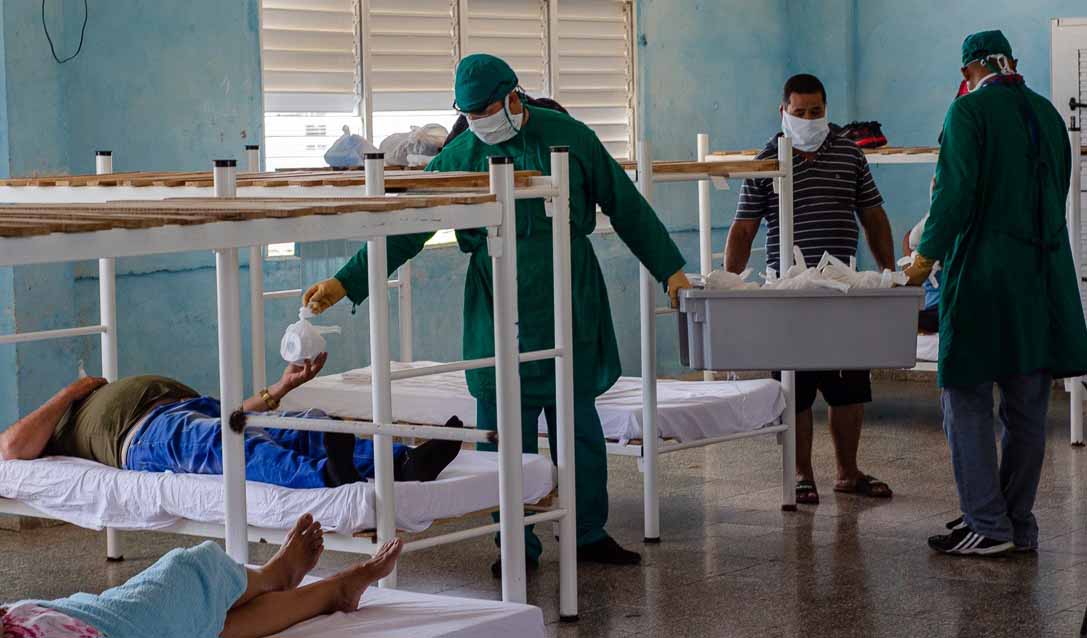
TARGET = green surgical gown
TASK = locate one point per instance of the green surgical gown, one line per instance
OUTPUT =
(1010, 303)
(595, 179)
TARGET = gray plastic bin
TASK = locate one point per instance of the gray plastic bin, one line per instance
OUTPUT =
(799, 329)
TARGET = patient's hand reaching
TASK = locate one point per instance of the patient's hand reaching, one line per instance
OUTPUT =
(295, 375)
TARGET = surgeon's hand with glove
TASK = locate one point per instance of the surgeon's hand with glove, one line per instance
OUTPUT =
(322, 296)
(919, 270)
(678, 281)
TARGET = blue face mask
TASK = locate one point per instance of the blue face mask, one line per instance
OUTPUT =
(500, 127)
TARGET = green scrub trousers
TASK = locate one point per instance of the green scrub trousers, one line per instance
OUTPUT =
(590, 459)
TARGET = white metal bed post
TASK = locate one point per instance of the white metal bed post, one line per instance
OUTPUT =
(502, 245)
(378, 278)
(564, 382)
(107, 310)
(705, 222)
(228, 290)
(648, 315)
(256, 292)
(788, 377)
(1075, 229)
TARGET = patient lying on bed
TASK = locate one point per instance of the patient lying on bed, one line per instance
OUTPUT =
(156, 424)
(200, 591)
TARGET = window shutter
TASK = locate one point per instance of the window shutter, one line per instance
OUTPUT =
(514, 30)
(594, 76)
(411, 55)
(309, 56)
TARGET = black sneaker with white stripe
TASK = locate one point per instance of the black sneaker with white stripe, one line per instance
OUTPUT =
(962, 541)
(960, 523)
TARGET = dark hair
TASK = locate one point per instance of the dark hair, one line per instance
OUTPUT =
(804, 83)
(461, 125)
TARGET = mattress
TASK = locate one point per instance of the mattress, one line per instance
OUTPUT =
(686, 410)
(92, 495)
(928, 347)
(388, 613)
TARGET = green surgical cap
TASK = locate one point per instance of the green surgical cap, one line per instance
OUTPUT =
(984, 43)
(482, 80)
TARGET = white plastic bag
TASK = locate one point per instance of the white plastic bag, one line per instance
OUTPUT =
(302, 340)
(725, 280)
(421, 141)
(348, 150)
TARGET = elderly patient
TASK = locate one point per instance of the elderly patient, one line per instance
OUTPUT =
(201, 593)
(156, 424)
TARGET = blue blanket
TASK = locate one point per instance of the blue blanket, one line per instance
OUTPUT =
(185, 594)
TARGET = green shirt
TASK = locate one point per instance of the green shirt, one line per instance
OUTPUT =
(95, 428)
(1010, 302)
(595, 179)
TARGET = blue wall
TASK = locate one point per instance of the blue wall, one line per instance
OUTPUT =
(170, 85)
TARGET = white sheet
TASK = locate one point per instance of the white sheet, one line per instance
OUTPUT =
(928, 347)
(92, 495)
(388, 613)
(687, 410)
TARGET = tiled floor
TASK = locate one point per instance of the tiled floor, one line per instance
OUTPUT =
(731, 563)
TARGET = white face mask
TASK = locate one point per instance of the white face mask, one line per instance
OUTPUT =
(807, 135)
(500, 127)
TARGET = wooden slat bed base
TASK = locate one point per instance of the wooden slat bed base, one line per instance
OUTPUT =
(394, 180)
(716, 169)
(25, 220)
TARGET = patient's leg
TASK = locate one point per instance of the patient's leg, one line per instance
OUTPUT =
(296, 557)
(273, 612)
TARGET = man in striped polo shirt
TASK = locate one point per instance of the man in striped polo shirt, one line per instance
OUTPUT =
(833, 189)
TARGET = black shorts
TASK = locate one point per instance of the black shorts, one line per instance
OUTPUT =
(839, 387)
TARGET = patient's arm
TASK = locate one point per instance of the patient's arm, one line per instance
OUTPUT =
(293, 376)
(27, 438)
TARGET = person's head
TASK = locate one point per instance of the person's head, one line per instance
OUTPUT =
(804, 97)
(984, 54)
(804, 112)
(486, 93)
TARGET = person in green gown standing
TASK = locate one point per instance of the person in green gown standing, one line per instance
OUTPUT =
(503, 125)
(1010, 310)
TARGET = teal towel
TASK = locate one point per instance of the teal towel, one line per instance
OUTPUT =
(185, 594)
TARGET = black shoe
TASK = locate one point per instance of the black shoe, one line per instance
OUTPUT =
(864, 134)
(340, 465)
(425, 462)
(966, 542)
(607, 552)
(958, 523)
(530, 567)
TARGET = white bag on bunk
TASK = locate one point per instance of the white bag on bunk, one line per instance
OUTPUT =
(302, 340)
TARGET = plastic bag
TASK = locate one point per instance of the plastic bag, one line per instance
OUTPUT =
(348, 150)
(724, 280)
(835, 269)
(302, 340)
(422, 141)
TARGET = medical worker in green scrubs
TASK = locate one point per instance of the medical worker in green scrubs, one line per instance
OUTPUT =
(487, 92)
(1010, 311)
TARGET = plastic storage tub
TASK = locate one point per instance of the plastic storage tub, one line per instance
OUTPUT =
(798, 329)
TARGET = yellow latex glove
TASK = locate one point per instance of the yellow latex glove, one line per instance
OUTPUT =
(919, 270)
(678, 281)
(322, 296)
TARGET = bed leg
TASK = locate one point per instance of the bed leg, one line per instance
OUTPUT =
(114, 551)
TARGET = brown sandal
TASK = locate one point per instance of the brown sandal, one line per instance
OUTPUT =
(866, 486)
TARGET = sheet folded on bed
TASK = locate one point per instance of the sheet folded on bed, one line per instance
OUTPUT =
(92, 495)
(388, 613)
(687, 410)
(928, 347)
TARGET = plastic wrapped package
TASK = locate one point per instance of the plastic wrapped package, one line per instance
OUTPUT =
(418, 143)
(348, 150)
(724, 280)
(302, 340)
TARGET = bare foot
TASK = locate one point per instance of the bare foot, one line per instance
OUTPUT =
(354, 581)
(298, 554)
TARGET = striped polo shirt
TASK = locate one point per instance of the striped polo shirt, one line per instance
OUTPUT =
(828, 191)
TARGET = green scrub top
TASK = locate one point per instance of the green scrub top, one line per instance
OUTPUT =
(1010, 303)
(595, 179)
